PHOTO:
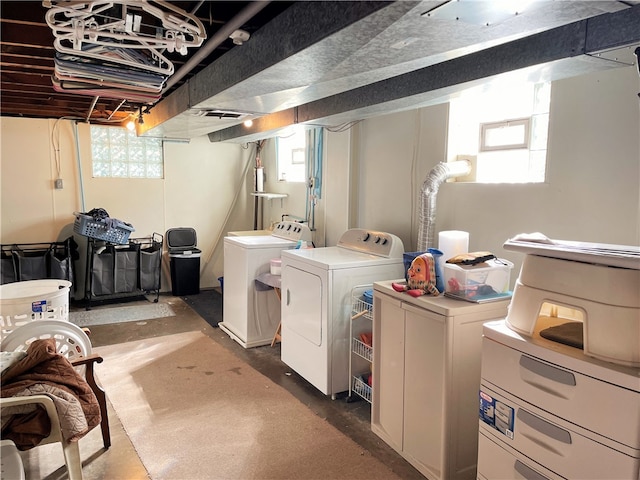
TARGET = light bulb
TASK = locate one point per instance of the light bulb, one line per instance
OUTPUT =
(131, 126)
(248, 123)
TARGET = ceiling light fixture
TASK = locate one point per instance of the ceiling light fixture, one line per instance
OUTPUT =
(239, 36)
(248, 123)
(140, 119)
(131, 126)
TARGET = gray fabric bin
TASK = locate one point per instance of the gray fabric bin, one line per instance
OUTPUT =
(61, 265)
(102, 273)
(126, 270)
(31, 265)
(7, 270)
(150, 260)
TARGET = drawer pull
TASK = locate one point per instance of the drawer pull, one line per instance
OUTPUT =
(547, 371)
(544, 427)
(528, 472)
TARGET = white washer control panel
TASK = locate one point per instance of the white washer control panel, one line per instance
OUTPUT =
(382, 244)
(292, 231)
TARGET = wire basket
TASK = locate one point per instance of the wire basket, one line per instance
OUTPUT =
(99, 229)
(362, 349)
(361, 387)
(361, 304)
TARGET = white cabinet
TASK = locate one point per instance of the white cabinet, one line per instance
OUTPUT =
(550, 409)
(426, 376)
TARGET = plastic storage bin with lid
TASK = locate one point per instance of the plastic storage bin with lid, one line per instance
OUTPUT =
(483, 282)
(184, 259)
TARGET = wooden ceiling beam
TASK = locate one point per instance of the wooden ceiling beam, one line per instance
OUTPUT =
(25, 34)
(14, 64)
(48, 111)
(19, 98)
(27, 51)
(39, 81)
(16, 94)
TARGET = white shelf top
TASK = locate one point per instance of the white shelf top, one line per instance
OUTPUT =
(269, 196)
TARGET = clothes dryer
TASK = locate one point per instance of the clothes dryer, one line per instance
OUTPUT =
(316, 301)
(251, 312)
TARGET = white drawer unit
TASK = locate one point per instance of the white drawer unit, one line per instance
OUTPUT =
(550, 409)
(499, 460)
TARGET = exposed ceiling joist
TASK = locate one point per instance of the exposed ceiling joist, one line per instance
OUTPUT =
(324, 62)
(27, 59)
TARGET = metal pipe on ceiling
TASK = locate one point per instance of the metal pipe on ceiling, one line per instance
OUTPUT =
(220, 36)
(93, 105)
(115, 110)
(195, 9)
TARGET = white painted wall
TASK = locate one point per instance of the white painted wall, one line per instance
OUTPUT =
(199, 188)
(592, 193)
(396, 154)
(593, 188)
(372, 178)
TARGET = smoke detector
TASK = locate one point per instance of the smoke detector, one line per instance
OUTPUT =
(239, 36)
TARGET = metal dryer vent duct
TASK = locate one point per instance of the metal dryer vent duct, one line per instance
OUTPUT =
(428, 195)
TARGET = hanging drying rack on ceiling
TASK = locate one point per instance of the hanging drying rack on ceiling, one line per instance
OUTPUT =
(91, 22)
(116, 49)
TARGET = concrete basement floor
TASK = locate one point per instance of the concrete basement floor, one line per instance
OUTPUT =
(121, 460)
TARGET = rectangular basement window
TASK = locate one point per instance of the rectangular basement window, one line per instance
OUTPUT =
(505, 135)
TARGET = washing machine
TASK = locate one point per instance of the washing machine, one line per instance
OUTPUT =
(316, 302)
(250, 310)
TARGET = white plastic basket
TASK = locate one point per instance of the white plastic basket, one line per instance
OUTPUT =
(22, 302)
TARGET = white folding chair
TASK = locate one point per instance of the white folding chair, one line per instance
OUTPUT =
(74, 344)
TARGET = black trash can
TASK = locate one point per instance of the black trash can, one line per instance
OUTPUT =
(184, 260)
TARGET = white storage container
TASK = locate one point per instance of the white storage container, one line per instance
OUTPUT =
(482, 282)
(22, 302)
(275, 266)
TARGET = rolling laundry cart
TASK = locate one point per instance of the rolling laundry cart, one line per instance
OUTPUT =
(184, 260)
(118, 266)
(119, 271)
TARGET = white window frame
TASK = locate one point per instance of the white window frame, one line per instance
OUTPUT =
(487, 128)
(290, 149)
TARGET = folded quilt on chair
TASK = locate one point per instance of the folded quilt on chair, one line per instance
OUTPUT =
(44, 371)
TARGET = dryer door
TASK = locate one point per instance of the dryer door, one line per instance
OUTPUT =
(302, 304)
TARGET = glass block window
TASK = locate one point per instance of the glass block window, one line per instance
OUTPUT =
(118, 153)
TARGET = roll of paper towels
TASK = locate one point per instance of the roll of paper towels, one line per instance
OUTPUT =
(259, 172)
(452, 243)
